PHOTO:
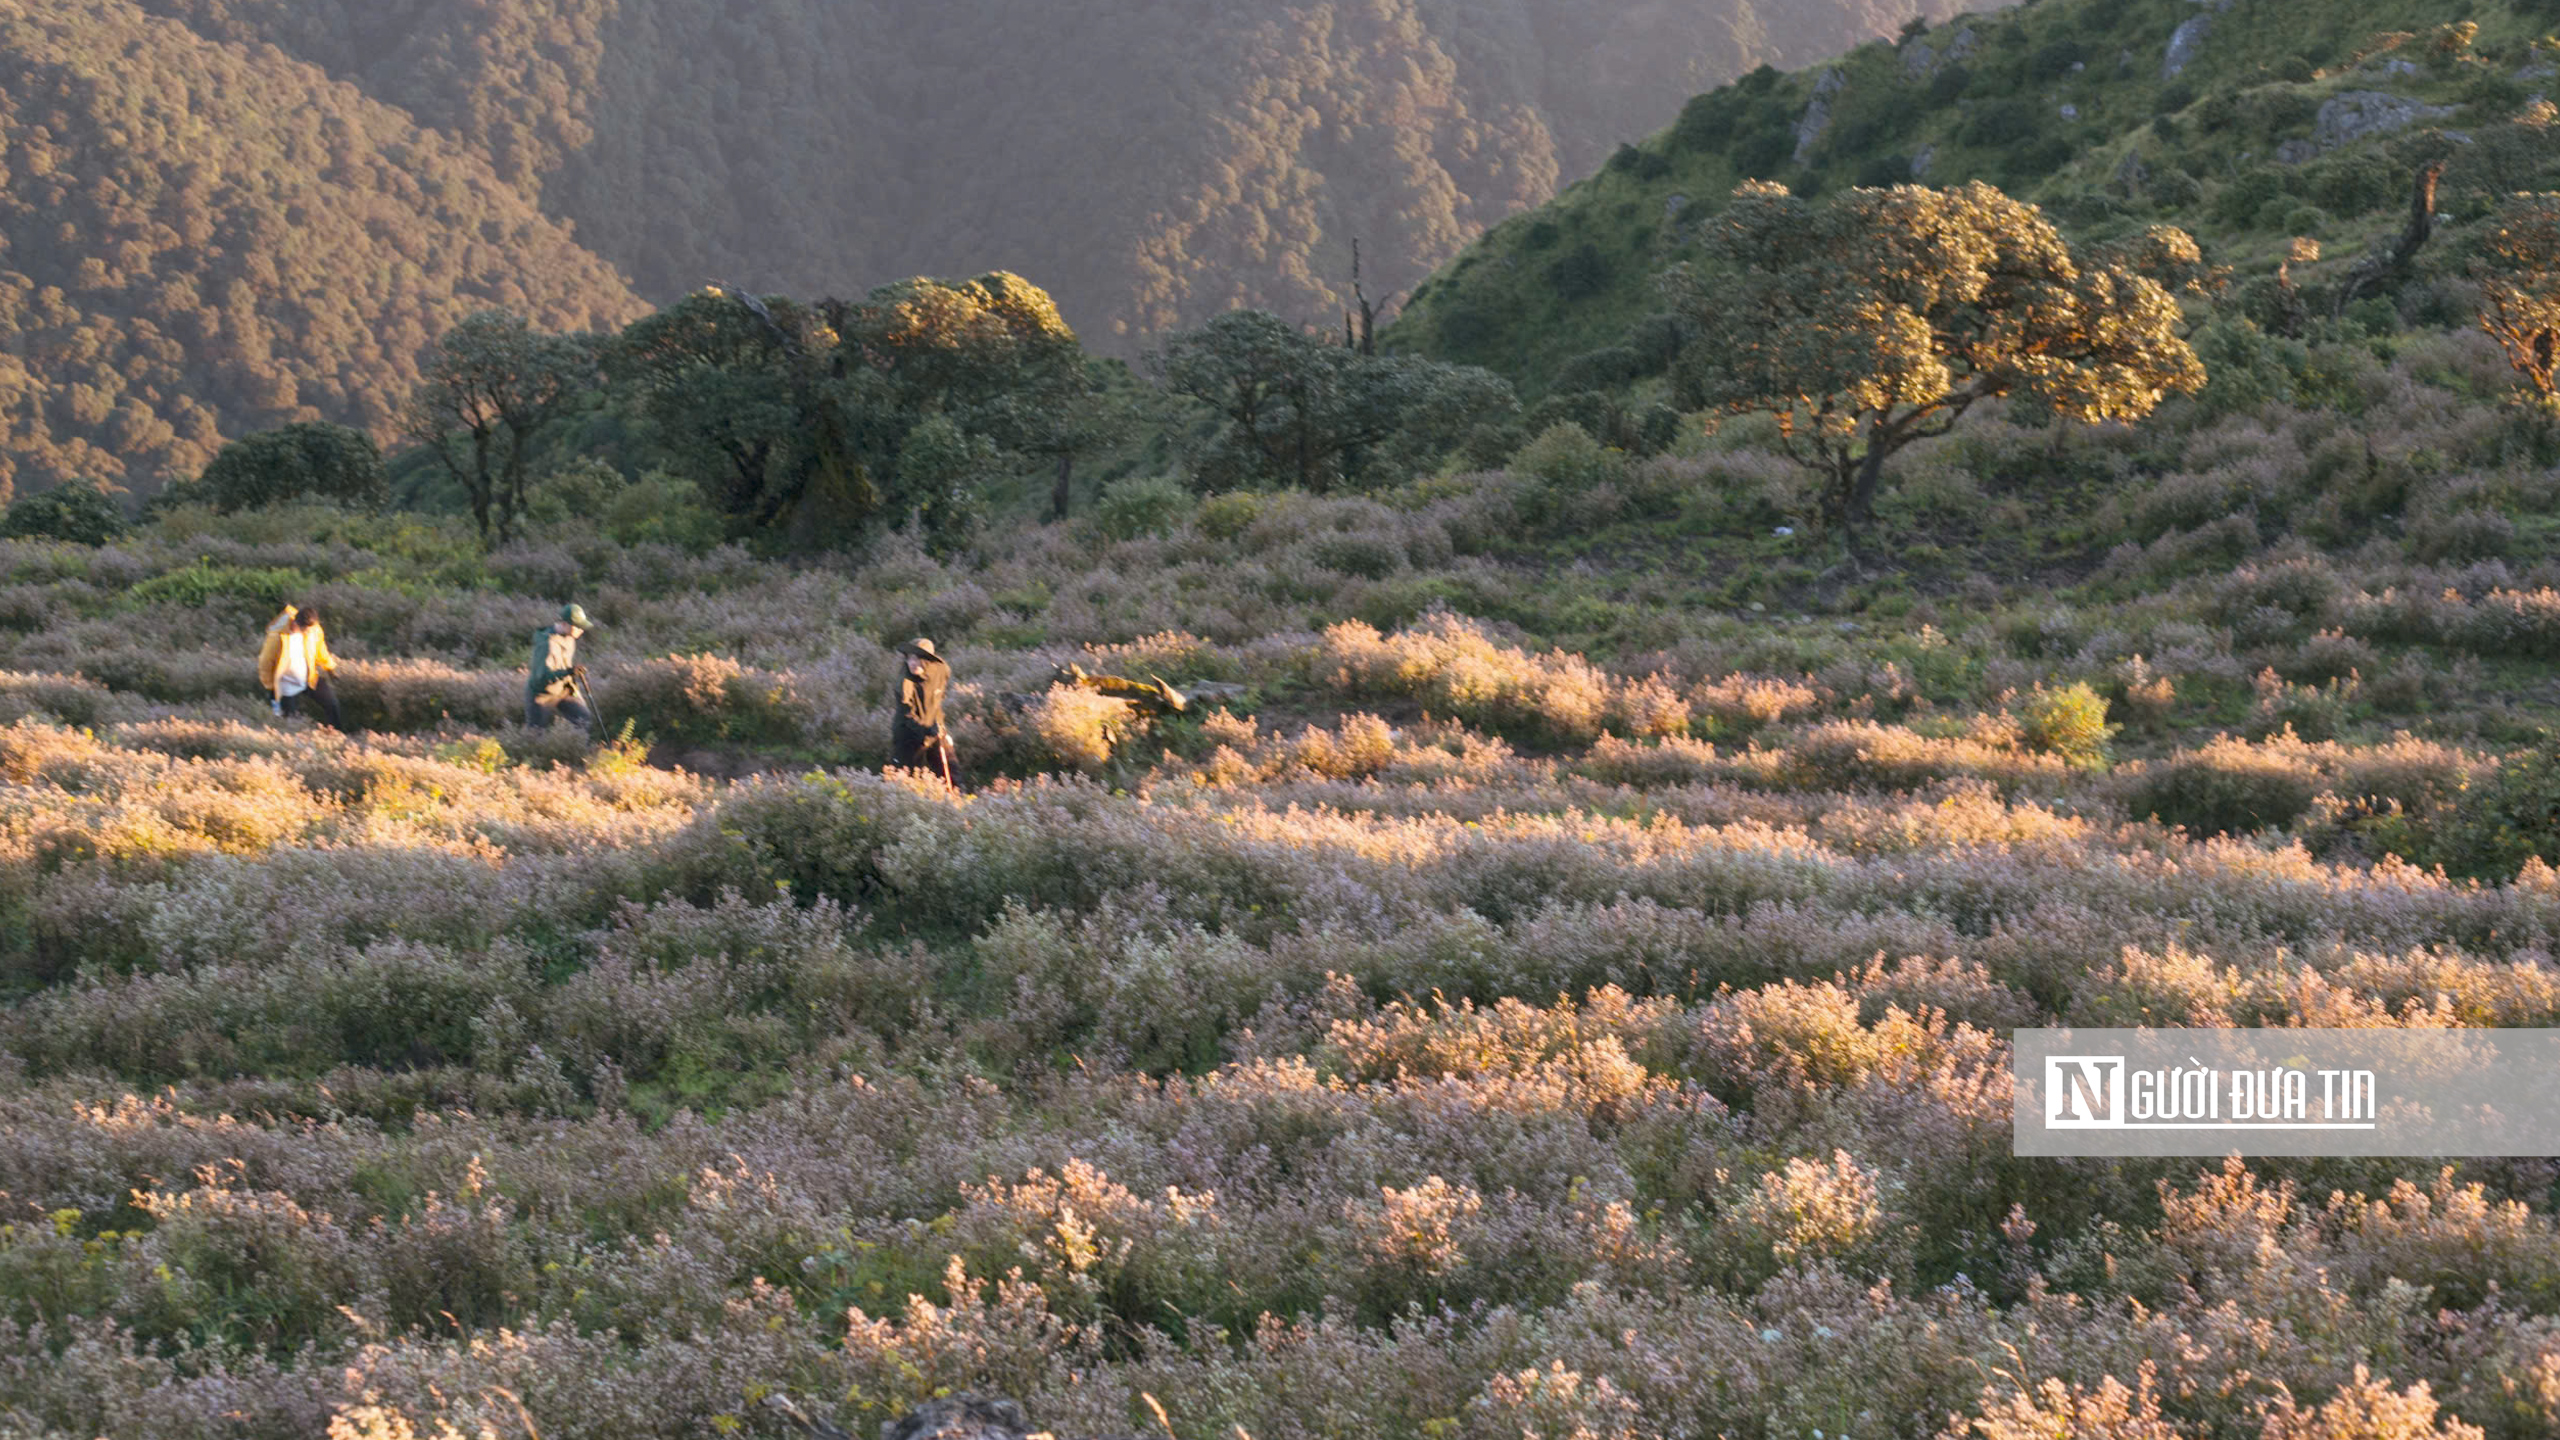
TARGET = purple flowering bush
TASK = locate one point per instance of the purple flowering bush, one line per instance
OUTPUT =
(1440, 1032)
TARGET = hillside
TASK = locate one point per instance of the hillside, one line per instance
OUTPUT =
(2246, 124)
(359, 173)
(198, 239)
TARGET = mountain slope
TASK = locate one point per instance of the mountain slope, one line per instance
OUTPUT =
(2272, 119)
(366, 169)
(1151, 162)
(198, 239)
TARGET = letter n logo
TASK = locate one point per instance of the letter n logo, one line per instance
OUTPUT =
(2083, 1092)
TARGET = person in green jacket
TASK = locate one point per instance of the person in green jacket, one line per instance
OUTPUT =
(555, 684)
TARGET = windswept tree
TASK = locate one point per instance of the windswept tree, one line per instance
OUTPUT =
(2519, 275)
(1300, 411)
(486, 390)
(1874, 318)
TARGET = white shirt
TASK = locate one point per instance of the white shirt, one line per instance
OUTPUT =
(293, 666)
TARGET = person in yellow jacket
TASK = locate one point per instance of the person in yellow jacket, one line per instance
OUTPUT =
(295, 662)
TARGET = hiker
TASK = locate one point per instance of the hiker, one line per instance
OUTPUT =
(555, 685)
(918, 740)
(295, 662)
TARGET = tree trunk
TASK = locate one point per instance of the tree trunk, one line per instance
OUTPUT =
(482, 483)
(1862, 492)
(2391, 267)
(1064, 490)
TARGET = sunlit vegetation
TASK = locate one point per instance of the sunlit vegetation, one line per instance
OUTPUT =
(1553, 978)
(1560, 990)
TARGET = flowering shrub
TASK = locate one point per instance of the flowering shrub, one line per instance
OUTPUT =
(2070, 722)
(1433, 1033)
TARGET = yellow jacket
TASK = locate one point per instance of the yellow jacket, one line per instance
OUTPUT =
(271, 655)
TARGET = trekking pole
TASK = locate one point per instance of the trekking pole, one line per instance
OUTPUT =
(587, 698)
(942, 753)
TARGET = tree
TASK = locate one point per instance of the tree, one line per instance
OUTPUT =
(1874, 318)
(798, 418)
(994, 355)
(273, 467)
(2519, 274)
(1301, 412)
(743, 394)
(486, 390)
(80, 511)
(2390, 263)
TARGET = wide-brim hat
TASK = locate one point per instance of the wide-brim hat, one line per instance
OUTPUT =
(924, 647)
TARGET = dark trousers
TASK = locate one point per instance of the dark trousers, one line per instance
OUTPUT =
(322, 699)
(540, 713)
(911, 748)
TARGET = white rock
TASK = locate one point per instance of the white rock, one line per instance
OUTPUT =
(2185, 43)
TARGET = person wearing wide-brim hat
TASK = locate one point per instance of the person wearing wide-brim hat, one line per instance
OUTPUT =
(555, 683)
(918, 740)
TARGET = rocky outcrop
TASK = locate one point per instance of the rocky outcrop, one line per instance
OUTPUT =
(1817, 114)
(2185, 44)
(2187, 41)
(2354, 115)
(1922, 60)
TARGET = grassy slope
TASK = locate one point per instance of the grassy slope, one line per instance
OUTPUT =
(1567, 278)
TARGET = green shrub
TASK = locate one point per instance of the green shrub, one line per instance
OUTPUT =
(2228, 787)
(1224, 517)
(655, 509)
(2507, 819)
(1565, 456)
(1580, 274)
(79, 511)
(2070, 722)
(203, 583)
(2000, 123)
(1142, 505)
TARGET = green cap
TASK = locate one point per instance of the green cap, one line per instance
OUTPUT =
(577, 615)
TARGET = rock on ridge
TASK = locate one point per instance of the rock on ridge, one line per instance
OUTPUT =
(1817, 113)
(2353, 115)
(2187, 42)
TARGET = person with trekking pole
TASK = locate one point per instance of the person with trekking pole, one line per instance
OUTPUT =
(918, 740)
(555, 684)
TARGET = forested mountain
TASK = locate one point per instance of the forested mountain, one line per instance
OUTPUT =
(198, 239)
(271, 204)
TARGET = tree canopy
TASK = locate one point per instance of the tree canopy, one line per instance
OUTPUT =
(1302, 411)
(822, 421)
(1869, 319)
(489, 387)
(312, 459)
(2519, 274)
